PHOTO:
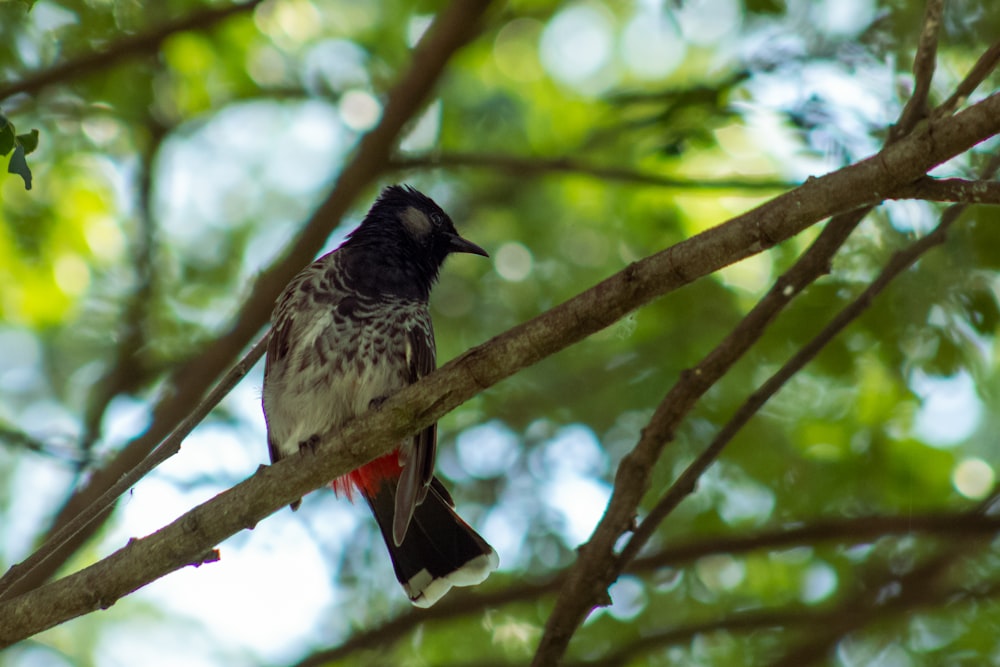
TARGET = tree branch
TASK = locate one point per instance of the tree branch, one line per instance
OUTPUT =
(982, 69)
(142, 43)
(956, 190)
(924, 62)
(451, 30)
(598, 565)
(362, 439)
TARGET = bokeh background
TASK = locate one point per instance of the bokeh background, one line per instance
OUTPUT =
(568, 139)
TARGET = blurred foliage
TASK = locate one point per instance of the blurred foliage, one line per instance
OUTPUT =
(18, 146)
(167, 181)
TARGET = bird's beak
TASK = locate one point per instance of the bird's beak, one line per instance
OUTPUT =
(458, 244)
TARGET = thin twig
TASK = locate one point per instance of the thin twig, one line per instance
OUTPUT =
(142, 43)
(792, 617)
(598, 565)
(97, 510)
(982, 69)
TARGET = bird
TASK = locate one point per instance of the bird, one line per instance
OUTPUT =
(347, 332)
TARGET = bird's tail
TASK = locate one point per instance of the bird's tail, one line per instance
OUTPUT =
(439, 550)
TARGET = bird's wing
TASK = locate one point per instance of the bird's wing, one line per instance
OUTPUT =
(418, 459)
(277, 349)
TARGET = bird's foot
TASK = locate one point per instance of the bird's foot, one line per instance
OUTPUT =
(309, 445)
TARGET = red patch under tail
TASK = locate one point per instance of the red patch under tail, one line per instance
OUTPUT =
(368, 477)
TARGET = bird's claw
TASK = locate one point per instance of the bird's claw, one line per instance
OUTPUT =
(309, 445)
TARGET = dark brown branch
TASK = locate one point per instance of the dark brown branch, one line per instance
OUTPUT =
(982, 69)
(452, 29)
(924, 62)
(130, 47)
(373, 434)
(520, 166)
(685, 484)
(598, 565)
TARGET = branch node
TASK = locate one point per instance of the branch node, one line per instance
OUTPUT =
(191, 524)
(210, 556)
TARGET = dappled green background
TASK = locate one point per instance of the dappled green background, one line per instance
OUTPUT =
(165, 183)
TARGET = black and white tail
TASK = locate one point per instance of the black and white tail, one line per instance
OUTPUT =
(439, 550)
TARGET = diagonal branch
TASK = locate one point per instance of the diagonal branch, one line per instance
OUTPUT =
(456, 25)
(598, 566)
(13, 579)
(130, 47)
(982, 69)
(957, 190)
(189, 538)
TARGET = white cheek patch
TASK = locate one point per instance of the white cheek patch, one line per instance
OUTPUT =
(416, 222)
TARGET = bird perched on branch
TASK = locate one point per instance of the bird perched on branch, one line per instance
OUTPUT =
(350, 330)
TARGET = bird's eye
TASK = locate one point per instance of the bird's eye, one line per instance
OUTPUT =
(436, 219)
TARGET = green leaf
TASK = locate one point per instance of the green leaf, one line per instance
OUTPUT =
(29, 140)
(7, 138)
(18, 165)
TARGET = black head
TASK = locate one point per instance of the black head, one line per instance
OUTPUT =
(412, 236)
